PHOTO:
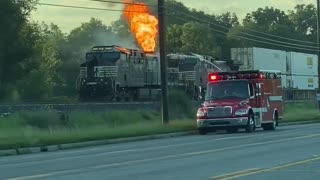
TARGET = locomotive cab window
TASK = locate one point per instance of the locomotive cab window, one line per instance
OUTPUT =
(104, 58)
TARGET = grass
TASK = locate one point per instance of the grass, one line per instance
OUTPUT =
(27, 129)
(302, 111)
(28, 136)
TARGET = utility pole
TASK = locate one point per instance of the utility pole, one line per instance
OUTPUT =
(318, 45)
(163, 63)
(318, 33)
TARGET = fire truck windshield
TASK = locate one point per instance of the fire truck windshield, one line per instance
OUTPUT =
(221, 90)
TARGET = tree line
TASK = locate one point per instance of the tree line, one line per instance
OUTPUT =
(38, 62)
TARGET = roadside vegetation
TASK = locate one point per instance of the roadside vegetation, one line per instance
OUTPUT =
(26, 128)
(301, 111)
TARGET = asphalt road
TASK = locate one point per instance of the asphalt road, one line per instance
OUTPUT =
(289, 152)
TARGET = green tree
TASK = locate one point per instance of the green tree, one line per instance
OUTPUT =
(197, 38)
(121, 28)
(173, 38)
(218, 26)
(15, 49)
(174, 10)
(226, 22)
(121, 31)
(41, 69)
(264, 28)
(304, 18)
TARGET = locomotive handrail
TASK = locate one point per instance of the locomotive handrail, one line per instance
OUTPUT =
(77, 82)
(202, 59)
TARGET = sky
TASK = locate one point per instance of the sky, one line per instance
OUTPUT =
(69, 18)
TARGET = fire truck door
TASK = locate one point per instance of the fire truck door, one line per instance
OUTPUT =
(257, 104)
(255, 98)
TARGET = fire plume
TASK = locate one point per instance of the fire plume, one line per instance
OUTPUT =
(143, 25)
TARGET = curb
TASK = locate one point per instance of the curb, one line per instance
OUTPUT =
(8, 152)
(52, 148)
(298, 123)
(122, 140)
(28, 150)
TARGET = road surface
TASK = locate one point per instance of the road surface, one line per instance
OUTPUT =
(289, 152)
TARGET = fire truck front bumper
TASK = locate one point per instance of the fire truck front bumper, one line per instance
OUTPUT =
(222, 123)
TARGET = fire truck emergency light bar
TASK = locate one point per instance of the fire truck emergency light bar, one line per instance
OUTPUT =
(216, 76)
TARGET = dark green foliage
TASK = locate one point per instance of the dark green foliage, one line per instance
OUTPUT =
(180, 106)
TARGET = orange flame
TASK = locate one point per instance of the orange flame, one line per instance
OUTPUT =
(143, 25)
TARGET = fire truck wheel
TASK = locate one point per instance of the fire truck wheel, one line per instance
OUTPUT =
(271, 126)
(251, 124)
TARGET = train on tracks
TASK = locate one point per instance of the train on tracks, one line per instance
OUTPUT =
(115, 73)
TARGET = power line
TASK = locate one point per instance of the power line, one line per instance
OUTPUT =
(238, 36)
(124, 3)
(280, 37)
(82, 7)
(315, 47)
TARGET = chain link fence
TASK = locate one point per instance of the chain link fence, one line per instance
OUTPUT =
(294, 100)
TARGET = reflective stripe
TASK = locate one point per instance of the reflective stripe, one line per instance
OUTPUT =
(264, 109)
(275, 98)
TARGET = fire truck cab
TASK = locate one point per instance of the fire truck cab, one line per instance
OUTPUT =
(241, 99)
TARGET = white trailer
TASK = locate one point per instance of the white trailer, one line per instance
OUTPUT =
(299, 82)
(302, 64)
(261, 59)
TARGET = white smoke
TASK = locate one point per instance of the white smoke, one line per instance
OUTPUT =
(110, 38)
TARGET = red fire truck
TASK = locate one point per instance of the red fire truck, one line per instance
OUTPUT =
(241, 99)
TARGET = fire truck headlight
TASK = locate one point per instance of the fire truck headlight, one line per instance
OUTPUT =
(200, 113)
(241, 112)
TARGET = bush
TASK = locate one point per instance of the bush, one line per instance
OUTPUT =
(77, 119)
(111, 118)
(180, 105)
(40, 119)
